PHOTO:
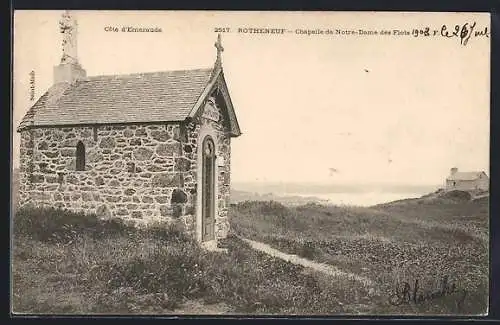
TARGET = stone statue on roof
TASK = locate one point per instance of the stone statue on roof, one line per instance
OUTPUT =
(68, 29)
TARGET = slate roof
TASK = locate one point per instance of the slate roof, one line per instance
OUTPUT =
(142, 97)
(464, 176)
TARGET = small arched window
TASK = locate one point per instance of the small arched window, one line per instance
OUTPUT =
(80, 156)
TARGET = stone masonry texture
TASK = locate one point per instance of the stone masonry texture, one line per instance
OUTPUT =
(132, 171)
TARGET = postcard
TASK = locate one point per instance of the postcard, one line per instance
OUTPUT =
(250, 163)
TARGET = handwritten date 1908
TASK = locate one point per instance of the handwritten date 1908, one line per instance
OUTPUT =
(464, 32)
(421, 32)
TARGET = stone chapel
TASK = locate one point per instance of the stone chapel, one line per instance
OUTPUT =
(139, 146)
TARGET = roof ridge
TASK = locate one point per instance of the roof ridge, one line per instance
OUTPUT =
(135, 74)
(127, 98)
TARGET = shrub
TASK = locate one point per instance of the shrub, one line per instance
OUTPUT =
(50, 223)
(270, 208)
(63, 226)
(456, 195)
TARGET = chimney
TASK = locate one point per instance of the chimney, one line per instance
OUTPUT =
(453, 171)
(69, 70)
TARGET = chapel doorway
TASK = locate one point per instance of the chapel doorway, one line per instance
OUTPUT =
(208, 190)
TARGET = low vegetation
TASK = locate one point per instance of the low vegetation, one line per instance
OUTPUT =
(424, 242)
(70, 263)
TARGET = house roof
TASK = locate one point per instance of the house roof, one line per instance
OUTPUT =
(132, 98)
(464, 176)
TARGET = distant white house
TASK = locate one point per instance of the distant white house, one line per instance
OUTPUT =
(467, 181)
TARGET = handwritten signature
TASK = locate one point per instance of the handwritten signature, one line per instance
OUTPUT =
(464, 32)
(405, 294)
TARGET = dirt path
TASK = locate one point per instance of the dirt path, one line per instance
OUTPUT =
(320, 267)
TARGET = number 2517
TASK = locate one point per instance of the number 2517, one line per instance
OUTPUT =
(221, 29)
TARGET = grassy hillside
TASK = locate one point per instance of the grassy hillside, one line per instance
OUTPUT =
(73, 264)
(420, 239)
(69, 263)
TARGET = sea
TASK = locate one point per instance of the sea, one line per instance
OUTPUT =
(336, 194)
(358, 198)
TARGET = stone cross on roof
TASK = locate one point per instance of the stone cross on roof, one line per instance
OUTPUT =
(220, 49)
(218, 61)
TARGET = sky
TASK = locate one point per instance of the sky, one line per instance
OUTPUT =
(312, 108)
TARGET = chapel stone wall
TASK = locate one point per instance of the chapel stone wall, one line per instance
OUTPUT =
(143, 171)
(132, 171)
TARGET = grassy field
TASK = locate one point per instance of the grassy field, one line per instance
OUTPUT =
(431, 240)
(69, 263)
